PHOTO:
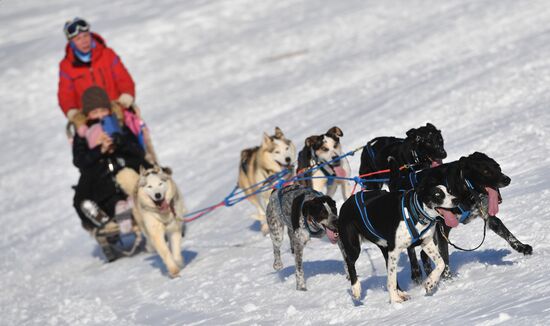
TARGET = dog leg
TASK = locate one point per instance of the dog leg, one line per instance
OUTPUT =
(343, 251)
(352, 249)
(499, 228)
(429, 247)
(175, 246)
(291, 237)
(157, 232)
(439, 238)
(276, 231)
(299, 243)
(416, 273)
(396, 296)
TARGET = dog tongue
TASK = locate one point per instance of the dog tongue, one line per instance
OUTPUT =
(164, 206)
(436, 163)
(493, 201)
(449, 218)
(331, 235)
(340, 172)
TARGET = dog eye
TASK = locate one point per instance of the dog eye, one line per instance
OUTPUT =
(277, 152)
(324, 149)
(149, 186)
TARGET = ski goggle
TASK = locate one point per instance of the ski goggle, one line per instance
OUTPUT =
(75, 26)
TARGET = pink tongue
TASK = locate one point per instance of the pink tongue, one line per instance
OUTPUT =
(340, 172)
(449, 217)
(164, 206)
(493, 201)
(332, 236)
(435, 163)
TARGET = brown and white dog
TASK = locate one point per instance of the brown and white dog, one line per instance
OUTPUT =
(158, 207)
(320, 149)
(275, 154)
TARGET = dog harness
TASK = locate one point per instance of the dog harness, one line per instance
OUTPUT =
(412, 213)
(315, 231)
(316, 162)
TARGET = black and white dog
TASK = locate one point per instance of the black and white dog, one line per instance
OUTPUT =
(306, 213)
(321, 149)
(475, 180)
(394, 221)
(423, 148)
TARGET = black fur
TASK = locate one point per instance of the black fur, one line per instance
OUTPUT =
(384, 211)
(481, 171)
(421, 147)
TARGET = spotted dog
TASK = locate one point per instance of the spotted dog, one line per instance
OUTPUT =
(305, 213)
(422, 147)
(321, 149)
(394, 221)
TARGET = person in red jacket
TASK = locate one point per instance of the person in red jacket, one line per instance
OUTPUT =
(89, 62)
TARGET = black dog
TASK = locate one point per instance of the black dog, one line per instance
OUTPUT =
(391, 221)
(423, 147)
(475, 181)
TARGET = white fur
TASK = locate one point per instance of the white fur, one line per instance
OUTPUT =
(322, 184)
(156, 223)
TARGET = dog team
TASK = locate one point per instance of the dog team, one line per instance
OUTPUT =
(425, 198)
(123, 190)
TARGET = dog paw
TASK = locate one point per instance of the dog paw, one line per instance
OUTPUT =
(174, 272)
(397, 299)
(356, 290)
(278, 265)
(403, 295)
(526, 249)
(430, 288)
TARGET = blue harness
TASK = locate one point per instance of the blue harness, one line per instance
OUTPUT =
(314, 234)
(411, 212)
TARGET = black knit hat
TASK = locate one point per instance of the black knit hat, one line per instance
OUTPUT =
(93, 98)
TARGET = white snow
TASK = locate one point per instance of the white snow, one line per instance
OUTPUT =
(211, 77)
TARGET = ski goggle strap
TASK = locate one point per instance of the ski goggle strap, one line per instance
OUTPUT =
(75, 26)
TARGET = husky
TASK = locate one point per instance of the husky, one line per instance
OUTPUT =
(158, 207)
(275, 154)
(321, 149)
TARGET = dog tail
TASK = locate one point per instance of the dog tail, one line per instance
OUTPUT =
(128, 179)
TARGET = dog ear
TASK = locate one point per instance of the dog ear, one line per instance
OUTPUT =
(142, 170)
(330, 202)
(311, 140)
(167, 170)
(279, 133)
(266, 140)
(310, 208)
(431, 126)
(335, 131)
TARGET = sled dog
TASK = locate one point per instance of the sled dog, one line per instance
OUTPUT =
(306, 214)
(158, 207)
(275, 154)
(394, 221)
(321, 149)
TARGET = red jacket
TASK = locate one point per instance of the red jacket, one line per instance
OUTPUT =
(105, 70)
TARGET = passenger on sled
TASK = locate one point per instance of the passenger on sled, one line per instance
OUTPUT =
(106, 148)
(89, 62)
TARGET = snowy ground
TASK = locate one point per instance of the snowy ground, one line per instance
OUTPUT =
(211, 77)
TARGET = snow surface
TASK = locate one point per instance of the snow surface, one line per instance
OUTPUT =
(211, 77)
